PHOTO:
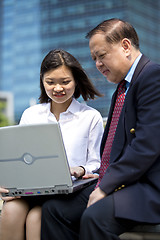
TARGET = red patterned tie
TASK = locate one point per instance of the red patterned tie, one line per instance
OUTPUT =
(112, 129)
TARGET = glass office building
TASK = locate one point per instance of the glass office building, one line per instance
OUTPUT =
(29, 29)
(64, 24)
(1, 23)
(21, 53)
(145, 17)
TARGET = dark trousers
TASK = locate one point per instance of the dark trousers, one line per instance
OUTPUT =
(61, 215)
(61, 218)
(98, 222)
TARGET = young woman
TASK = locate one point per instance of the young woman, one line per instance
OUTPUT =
(62, 81)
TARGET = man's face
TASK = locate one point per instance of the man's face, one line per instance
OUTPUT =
(111, 59)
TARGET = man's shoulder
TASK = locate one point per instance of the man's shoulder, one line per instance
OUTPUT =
(148, 63)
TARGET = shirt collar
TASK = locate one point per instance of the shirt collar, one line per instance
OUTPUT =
(45, 107)
(74, 107)
(132, 69)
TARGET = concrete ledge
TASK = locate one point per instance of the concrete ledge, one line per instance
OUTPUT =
(143, 232)
(139, 236)
(147, 228)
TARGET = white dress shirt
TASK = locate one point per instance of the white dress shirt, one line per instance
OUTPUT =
(82, 129)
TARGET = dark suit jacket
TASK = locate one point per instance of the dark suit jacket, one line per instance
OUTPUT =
(133, 176)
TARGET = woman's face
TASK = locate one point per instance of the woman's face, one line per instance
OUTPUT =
(59, 84)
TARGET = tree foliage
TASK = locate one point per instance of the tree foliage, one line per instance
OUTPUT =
(3, 119)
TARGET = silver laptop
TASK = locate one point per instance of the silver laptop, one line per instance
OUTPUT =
(33, 161)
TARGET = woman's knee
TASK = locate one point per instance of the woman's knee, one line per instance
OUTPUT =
(34, 216)
(33, 223)
(14, 213)
(16, 208)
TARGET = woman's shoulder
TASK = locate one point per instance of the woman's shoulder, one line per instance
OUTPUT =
(34, 113)
(86, 107)
(90, 111)
(37, 108)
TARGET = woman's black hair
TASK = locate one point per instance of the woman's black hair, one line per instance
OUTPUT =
(59, 57)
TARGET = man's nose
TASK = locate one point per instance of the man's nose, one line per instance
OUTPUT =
(98, 63)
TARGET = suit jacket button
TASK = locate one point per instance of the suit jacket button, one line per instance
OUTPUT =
(132, 130)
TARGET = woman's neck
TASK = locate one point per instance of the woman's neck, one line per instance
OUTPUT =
(58, 108)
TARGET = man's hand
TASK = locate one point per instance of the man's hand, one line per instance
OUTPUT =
(95, 196)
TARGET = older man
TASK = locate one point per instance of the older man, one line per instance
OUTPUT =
(128, 188)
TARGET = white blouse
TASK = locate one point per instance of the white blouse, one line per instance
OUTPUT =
(82, 129)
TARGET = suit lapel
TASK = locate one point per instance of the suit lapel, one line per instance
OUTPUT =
(142, 62)
(119, 139)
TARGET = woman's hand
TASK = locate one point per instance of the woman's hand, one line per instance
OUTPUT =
(91, 175)
(77, 171)
(3, 190)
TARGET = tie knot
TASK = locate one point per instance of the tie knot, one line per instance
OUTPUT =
(122, 84)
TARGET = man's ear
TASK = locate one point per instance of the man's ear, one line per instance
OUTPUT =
(126, 45)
